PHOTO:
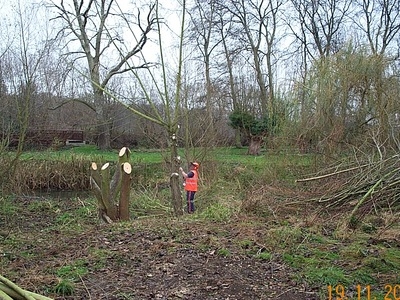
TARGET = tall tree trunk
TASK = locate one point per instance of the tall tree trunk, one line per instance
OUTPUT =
(102, 121)
(103, 133)
(255, 145)
(209, 106)
(176, 194)
(235, 102)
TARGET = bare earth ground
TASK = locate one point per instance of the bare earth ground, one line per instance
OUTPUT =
(145, 259)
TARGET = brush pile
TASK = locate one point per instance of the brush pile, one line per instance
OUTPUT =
(365, 187)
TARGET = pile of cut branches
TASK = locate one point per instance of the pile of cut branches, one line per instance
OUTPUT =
(11, 291)
(364, 188)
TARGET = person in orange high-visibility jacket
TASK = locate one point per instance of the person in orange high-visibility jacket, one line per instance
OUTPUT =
(190, 181)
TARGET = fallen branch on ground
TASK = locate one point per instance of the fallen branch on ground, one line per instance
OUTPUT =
(331, 174)
(11, 291)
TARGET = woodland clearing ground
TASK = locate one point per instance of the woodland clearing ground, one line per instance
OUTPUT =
(256, 235)
(47, 242)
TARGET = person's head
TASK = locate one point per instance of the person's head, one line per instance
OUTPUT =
(194, 165)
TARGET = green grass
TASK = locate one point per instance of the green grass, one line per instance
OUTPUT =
(99, 257)
(149, 202)
(11, 240)
(325, 275)
(331, 262)
(238, 157)
(228, 155)
(92, 153)
(246, 244)
(317, 268)
(73, 271)
(264, 256)
(285, 237)
(7, 207)
(64, 288)
(363, 276)
(40, 206)
(224, 252)
(216, 212)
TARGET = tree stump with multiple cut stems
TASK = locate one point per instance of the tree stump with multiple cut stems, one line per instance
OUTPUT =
(112, 188)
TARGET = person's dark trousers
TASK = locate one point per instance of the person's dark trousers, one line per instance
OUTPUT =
(190, 201)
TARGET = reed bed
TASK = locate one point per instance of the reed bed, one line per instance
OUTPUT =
(52, 175)
(72, 174)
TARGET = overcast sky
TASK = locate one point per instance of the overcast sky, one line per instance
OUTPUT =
(40, 23)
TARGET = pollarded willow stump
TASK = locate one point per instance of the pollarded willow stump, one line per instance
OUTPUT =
(113, 190)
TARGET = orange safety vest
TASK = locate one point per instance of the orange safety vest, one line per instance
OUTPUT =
(191, 183)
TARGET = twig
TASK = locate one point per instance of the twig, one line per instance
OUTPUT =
(87, 290)
(331, 174)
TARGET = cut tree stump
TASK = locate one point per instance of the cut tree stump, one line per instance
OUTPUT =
(112, 190)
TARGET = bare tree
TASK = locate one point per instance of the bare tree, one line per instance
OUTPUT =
(245, 16)
(93, 24)
(23, 61)
(380, 21)
(269, 21)
(164, 105)
(319, 29)
(203, 21)
(5, 106)
(255, 28)
(321, 25)
(225, 27)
